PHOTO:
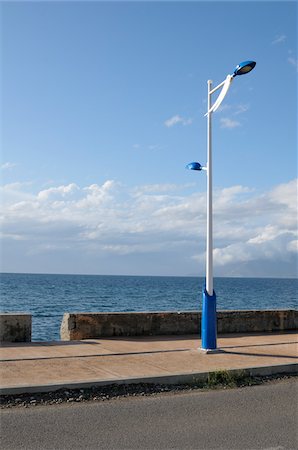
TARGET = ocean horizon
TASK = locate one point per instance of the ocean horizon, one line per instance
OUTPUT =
(158, 276)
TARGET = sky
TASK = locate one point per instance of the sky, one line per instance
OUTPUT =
(102, 107)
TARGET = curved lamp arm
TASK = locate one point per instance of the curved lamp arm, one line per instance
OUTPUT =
(223, 93)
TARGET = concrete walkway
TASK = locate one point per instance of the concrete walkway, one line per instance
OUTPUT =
(46, 366)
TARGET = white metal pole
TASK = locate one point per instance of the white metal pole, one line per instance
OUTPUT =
(209, 246)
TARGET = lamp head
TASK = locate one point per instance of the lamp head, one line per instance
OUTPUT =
(194, 166)
(244, 67)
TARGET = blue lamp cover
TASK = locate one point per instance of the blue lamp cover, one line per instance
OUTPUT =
(194, 166)
(244, 67)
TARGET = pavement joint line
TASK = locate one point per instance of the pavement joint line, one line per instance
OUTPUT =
(258, 345)
(176, 378)
(40, 358)
(223, 350)
(261, 355)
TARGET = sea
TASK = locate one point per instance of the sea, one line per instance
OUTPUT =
(48, 297)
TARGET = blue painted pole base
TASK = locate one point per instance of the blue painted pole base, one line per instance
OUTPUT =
(209, 322)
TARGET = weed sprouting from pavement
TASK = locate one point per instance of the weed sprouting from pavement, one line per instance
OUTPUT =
(215, 380)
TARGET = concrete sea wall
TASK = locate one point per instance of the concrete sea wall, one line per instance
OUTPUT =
(76, 326)
(15, 327)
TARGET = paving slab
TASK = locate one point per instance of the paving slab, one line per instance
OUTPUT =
(44, 366)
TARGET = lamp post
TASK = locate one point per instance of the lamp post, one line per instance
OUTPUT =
(209, 322)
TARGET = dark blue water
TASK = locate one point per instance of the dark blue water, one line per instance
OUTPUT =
(47, 297)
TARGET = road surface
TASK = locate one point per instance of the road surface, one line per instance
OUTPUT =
(258, 417)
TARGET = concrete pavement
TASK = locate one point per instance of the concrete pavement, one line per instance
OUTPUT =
(46, 366)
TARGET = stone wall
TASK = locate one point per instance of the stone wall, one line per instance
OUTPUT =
(76, 326)
(15, 327)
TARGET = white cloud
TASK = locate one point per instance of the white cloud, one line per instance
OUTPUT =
(226, 195)
(293, 61)
(7, 165)
(154, 147)
(280, 38)
(160, 219)
(269, 233)
(16, 186)
(240, 109)
(177, 119)
(96, 195)
(293, 246)
(161, 188)
(234, 110)
(224, 107)
(225, 122)
(265, 248)
(61, 191)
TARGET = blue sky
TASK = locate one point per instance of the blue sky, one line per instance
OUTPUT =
(103, 106)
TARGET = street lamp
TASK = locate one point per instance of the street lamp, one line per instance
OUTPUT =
(209, 297)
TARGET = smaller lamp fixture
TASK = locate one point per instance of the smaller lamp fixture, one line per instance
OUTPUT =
(244, 67)
(194, 166)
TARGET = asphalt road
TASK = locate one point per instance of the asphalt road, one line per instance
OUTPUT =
(259, 417)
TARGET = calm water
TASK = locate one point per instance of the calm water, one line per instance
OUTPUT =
(47, 297)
